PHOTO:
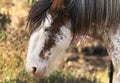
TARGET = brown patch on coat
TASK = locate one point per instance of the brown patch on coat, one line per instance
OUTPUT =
(58, 4)
(41, 55)
(58, 22)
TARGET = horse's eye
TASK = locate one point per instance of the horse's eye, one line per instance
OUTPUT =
(47, 29)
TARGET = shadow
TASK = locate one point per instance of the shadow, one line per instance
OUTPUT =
(98, 50)
(91, 58)
(96, 56)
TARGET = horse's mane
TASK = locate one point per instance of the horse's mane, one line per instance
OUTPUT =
(83, 13)
(37, 14)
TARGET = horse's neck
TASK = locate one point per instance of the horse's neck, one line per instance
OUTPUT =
(114, 45)
(110, 37)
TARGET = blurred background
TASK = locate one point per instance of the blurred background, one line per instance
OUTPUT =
(85, 62)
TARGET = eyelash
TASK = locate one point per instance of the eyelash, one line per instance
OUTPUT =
(47, 29)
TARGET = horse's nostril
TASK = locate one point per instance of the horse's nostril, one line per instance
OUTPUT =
(34, 69)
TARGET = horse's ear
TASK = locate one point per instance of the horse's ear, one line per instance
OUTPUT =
(58, 5)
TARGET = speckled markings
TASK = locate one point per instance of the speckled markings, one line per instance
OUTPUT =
(115, 53)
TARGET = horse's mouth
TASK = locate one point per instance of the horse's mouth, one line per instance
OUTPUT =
(41, 73)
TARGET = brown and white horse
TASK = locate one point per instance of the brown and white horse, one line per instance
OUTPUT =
(53, 23)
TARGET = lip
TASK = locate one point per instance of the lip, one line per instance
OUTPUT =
(43, 73)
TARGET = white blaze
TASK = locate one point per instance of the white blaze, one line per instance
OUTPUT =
(36, 45)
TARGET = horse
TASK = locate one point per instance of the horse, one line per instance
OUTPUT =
(53, 25)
